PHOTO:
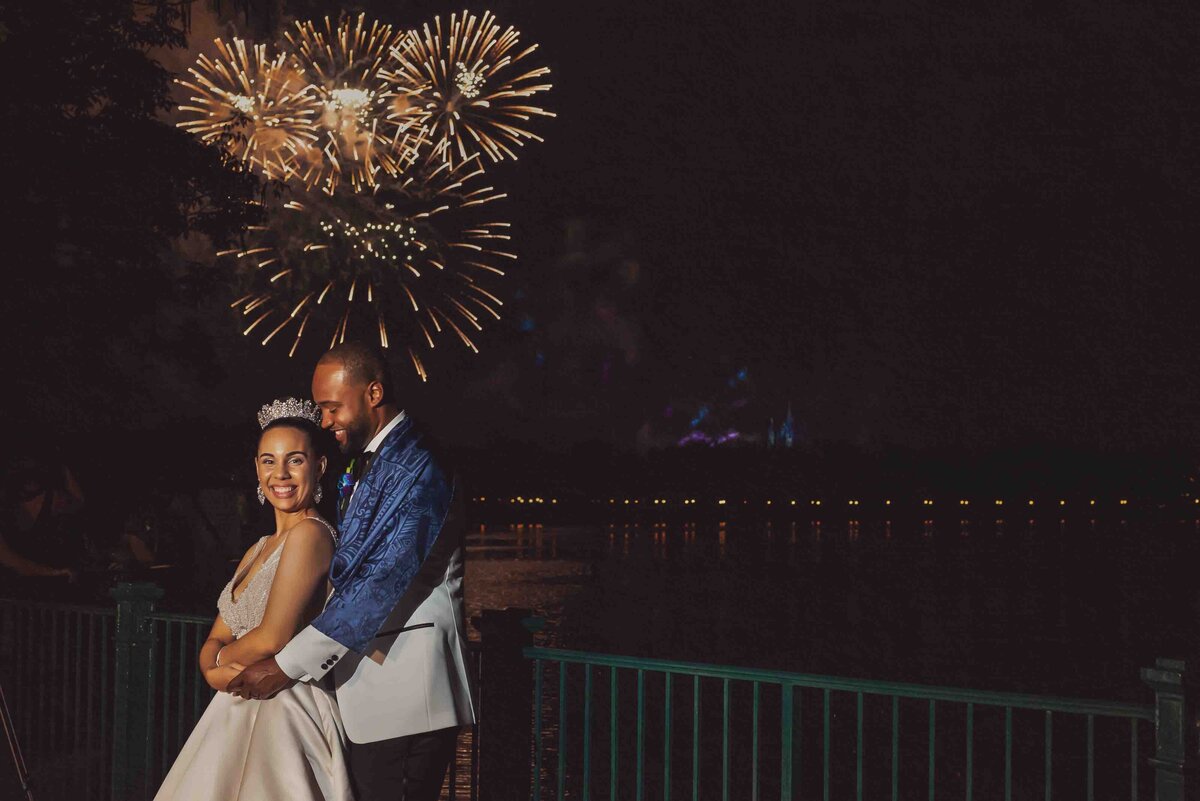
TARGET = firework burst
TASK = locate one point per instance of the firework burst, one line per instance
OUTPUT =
(469, 85)
(366, 128)
(258, 108)
(410, 261)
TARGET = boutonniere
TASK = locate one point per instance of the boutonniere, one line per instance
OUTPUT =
(345, 484)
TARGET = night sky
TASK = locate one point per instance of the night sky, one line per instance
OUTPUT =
(923, 225)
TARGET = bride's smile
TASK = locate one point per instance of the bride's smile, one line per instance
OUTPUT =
(289, 471)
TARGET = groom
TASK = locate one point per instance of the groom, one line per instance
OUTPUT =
(392, 631)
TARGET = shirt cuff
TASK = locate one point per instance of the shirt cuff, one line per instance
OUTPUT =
(310, 655)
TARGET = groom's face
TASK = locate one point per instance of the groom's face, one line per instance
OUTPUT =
(345, 406)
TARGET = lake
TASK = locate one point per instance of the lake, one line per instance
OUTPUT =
(1072, 607)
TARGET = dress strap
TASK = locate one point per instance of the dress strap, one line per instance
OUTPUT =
(333, 532)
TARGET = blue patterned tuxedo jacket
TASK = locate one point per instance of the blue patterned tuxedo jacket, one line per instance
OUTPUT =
(387, 531)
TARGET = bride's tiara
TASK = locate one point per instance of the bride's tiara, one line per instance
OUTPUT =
(291, 407)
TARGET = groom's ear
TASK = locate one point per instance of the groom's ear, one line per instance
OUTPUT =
(375, 393)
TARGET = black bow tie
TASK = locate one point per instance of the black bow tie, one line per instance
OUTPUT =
(362, 463)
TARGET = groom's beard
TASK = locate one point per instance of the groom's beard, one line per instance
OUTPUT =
(357, 437)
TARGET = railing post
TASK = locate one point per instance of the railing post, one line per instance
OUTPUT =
(505, 704)
(133, 679)
(1166, 679)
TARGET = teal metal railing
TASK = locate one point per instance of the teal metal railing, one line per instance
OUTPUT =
(104, 698)
(57, 668)
(691, 731)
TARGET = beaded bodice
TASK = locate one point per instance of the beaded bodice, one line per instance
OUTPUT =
(247, 611)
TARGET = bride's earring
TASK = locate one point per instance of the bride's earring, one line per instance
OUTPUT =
(262, 499)
(318, 495)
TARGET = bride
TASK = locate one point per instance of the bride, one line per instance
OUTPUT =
(290, 746)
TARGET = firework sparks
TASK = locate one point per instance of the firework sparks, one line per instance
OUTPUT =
(410, 263)
(468, 85)
(367, 130)
(257, 107)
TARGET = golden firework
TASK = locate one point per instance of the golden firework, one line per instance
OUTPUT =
(469, 85)
(365, 129)
(413, 259)
(257, 107)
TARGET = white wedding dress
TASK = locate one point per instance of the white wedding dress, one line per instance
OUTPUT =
(287, 748)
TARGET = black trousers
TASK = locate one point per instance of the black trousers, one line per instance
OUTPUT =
(408, 768)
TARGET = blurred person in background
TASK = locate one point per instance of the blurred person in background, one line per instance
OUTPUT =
(42, 536)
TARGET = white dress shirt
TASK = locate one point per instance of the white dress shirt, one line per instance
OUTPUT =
(374, 444)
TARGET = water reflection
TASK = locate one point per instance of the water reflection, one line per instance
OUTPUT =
(1066, 607)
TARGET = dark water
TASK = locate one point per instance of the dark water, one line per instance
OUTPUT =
(1064, 607)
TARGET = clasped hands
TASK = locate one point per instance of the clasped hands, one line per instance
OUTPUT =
(259, 681)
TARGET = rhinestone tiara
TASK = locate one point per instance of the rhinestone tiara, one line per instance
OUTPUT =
(290, 407)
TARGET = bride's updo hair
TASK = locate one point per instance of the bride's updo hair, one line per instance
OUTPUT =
(315, 434)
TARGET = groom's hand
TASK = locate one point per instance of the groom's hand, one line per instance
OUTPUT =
(260, 681)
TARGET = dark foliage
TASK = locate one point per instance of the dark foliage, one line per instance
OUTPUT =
(99, 185)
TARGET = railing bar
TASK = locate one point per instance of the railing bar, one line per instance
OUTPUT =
(64, 712)
(932, 748)
(562, 730)
(895, 748)
(28, 656)
(181, 725)
(754, 745)
(695, 738)
(1008, 754)
(970, 751)
(28, 689)
(641, 734)
(78, 708)
(89, 736)
(799, 744)
(70, 658)
(1091, 758)
(23, 627)
(47, 727)
(1080, 706)
(666, 737)
(163, 617)
(613, 742)
(587, 732)
(1049, 746)
(785, 739)
(35, 647)
(166, 688)
(48, 720)
(12, 640)
(725, 740)
(52, 606)
(198, 684)
(1133, 760)
(537, 730)
(825, 744)
(858, 781)
(148, 746)
(105, 694)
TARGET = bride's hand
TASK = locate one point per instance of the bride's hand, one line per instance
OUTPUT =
(219, 677)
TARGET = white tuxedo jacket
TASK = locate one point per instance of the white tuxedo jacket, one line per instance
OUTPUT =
(414, 676)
